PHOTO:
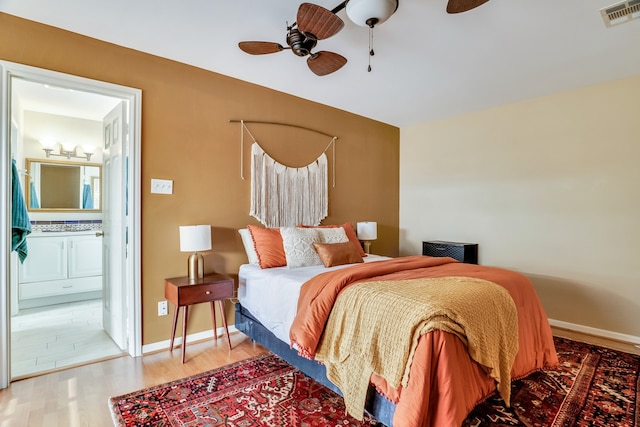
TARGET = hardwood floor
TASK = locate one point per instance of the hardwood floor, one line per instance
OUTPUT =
(592, 339)
(78, 397)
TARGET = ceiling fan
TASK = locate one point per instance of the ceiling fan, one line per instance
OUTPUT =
(458, 6)
(315, 23)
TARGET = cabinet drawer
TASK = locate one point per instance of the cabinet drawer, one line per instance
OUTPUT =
(463, 252)
(193, 294)
(59, 287)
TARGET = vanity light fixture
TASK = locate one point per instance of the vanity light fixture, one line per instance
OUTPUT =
(88, 150)
(66, 150)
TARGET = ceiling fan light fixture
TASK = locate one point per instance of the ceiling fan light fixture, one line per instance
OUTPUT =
(367, 13)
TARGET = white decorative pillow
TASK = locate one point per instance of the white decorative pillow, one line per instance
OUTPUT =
(249, 247)
(298, 246)
(332, 235)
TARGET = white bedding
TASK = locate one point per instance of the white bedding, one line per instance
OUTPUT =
(271, 294)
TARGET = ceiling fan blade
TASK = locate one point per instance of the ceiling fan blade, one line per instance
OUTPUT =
(318, 22)
(458, 6)
(323, 62)
(260, 48)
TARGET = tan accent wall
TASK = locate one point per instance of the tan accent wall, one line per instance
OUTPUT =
(549, 187)
(187, 138)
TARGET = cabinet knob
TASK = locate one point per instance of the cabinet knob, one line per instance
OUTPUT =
(208, 292)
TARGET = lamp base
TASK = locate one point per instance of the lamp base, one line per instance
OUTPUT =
(195, 267)
(367, 246)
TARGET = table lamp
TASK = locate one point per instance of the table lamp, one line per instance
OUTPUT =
(367, 231)
(194, 238)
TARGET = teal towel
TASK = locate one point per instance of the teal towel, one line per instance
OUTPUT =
(87, 197)
(33, 196)
(20, 224)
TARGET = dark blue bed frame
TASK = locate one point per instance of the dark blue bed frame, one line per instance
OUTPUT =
(376, 404)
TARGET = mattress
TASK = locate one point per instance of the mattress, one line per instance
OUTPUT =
(271, 295)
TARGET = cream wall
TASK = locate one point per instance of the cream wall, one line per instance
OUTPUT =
(549, 187)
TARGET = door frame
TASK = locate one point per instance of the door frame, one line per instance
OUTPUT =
(132, 263)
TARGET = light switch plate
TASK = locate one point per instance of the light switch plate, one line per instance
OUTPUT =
(161, 186)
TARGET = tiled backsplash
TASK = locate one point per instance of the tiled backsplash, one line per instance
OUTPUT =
(69, 225)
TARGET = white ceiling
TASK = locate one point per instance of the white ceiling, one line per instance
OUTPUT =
(428, 64)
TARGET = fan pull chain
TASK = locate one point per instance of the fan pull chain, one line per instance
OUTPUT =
(371, 52)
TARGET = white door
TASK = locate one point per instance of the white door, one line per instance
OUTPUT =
(114, 252)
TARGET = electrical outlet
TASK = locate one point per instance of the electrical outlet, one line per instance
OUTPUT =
(163, 309)
(161, 186)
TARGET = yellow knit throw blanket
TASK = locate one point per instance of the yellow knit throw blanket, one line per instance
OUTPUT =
(374, 327)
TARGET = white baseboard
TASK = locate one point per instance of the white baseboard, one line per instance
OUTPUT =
(595, 331)
(164, 345)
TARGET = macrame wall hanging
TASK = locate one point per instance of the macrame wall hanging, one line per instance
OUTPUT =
(283, 196)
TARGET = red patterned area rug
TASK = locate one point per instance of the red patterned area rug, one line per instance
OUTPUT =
(592, 386)
(263, 391)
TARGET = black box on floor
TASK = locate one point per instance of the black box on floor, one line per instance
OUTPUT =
(463, 252)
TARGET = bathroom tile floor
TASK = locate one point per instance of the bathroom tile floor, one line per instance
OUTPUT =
(51, 337)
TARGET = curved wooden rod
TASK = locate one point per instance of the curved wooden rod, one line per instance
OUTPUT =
(282, 124)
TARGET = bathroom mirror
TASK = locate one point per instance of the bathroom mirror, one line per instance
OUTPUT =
(52, 186)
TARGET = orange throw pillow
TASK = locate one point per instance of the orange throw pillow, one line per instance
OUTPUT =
(350, 232)
(268, 245)
(337, 253)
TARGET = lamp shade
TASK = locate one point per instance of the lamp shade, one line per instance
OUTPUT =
(368, 13)
(48, 142)
(68, 146)
(367, 230)
(194, 238)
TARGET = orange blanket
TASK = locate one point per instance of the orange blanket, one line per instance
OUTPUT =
(444, 383)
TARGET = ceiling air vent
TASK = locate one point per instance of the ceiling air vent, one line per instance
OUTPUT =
(620, 13)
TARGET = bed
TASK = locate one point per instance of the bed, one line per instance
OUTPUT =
(444, 382)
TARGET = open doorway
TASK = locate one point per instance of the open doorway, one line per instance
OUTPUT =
(75, 297)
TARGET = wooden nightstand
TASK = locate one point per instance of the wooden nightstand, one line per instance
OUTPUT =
(182, 292)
